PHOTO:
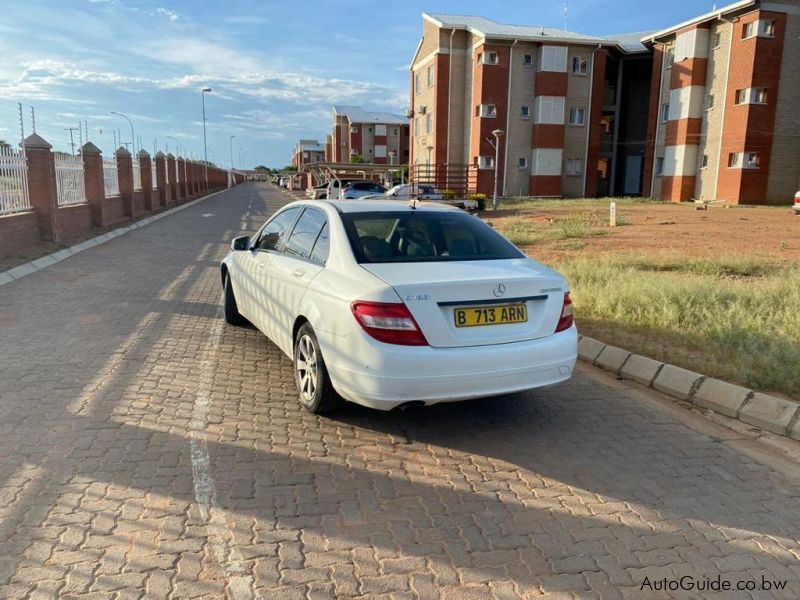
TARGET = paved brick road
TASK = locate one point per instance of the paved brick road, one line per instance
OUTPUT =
(147, 450)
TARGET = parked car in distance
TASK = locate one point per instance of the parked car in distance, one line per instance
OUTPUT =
(359, 189)
(283, 182)
(405, 191)
(318, 192)
(385, 304)
(335, 184)
(797, 203)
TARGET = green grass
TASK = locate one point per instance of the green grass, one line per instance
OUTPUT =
(524, 232)
(733, 318)
(524, 202)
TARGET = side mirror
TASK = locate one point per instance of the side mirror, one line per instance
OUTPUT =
(241, 243)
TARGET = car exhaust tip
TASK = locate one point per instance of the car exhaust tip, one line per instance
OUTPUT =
(409, 405)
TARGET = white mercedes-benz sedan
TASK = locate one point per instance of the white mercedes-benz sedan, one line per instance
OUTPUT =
(389, 303)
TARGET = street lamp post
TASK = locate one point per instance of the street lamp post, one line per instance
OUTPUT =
(430, 150)
(177, 141)
(133, 135)
(497, 133)
(203, 93)
(230, 175)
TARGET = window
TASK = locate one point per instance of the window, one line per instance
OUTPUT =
(760, 28)
(380, 129)
(527, 60)
(488, 58)
(319, 254)
(734, 160)
(394, 131)
(354, 151)
(709, 101)
(670, 57)
(577, 116)
(580, 65)
(751, 96)
(751, 160)
(743, 160)
(659, 165)
(525, 112)
(704, 164)
(423, 236)
(546, 161)
(665, 112)
(767, 28)
(486, 110)
(354, 129)
(430, 76)
(417, 83)
(275, 231)
(486, 162)
(549, 110)
(429, 123)
(574, 166)
(522, 163)
(717, 40)
(380, 151)
(553, 58)
(305, 233)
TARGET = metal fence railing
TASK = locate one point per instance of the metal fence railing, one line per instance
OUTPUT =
(13, 181)
(70, 187)
(137, 174)
(110, 177)
(154, 181)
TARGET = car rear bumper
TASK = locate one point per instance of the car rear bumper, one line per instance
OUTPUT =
(383, 376)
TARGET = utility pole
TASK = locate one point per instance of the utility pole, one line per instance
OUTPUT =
(497, 133)
(203, 93)
(71, 138)
(33, 119)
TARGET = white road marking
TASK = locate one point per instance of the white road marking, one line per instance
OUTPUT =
(206, 215)
(221, 540)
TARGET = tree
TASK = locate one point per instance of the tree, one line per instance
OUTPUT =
(289, 169)
(357, 159)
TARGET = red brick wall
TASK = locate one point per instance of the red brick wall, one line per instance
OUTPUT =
(652, 120)
(115, 210)
(489, 86)
(441, 110)
(74, 222)
(356, 141)
(755, 62)
(18, 232)
(545, 185)
(595, 125)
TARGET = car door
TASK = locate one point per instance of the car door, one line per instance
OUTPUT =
(263, 301)
(302, 257)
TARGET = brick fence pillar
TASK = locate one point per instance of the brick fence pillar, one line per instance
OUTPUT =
(190, 183)
(42, 186)
(161, 179)
(145, 169)
(125, 177)
(181, 164)
(93, 182)
(172, 186)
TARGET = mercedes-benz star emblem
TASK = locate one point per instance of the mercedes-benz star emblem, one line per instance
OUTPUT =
(499, 290)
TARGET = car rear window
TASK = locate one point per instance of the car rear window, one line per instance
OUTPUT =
(424, 236)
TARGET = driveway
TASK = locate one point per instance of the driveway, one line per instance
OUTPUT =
(148, 450)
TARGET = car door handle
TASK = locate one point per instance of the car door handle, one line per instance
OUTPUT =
(298, 273)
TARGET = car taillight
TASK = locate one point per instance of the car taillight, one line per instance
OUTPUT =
(390, 323)
(566, 320)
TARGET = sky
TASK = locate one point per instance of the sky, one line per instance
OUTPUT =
(275, 67)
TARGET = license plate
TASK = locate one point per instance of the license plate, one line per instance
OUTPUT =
(476, 316)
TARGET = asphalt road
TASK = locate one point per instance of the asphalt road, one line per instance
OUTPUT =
(149, 450)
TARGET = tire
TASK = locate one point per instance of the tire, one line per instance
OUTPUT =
(314, 389)
(232, 314)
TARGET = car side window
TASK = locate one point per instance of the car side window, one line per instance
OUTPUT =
(305, 234)
(322, 246)
(275, 231)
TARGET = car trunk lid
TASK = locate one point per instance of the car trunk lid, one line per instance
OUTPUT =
(442, 294)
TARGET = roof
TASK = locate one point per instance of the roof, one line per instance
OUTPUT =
(628, 42)
(713, 15)
(356, 114)
(350, 206)
(312, 147)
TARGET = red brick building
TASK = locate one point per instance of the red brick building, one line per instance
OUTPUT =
(676, 114)
(307, 152)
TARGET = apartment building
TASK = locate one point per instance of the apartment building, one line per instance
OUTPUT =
(725, 105)
(374, 137)
(307, 152)
(676, 114)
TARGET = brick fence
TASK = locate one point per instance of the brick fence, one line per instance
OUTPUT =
(48, 221)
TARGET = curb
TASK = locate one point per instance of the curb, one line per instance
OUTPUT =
(774, 414)
(45, 261)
